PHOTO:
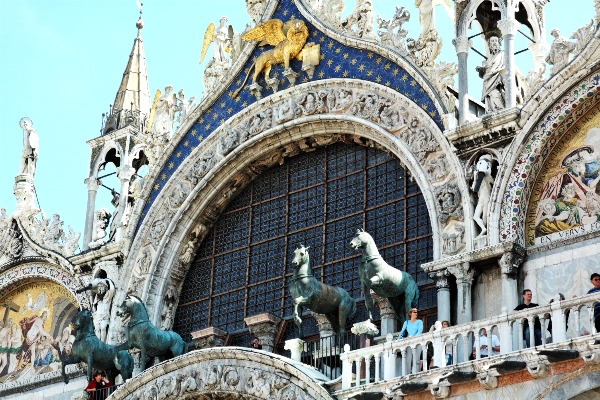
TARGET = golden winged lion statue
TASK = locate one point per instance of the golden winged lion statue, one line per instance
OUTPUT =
(288, 38)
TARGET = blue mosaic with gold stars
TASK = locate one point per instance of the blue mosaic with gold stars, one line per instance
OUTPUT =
(337, 61)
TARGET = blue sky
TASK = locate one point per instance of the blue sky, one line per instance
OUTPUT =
(62, 62)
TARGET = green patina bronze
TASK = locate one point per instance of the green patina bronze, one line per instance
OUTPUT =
(386, 281)
(96, 354)
(334, 302)
(141, 334)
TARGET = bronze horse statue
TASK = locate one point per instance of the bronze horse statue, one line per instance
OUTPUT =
(386, 281)
(141, 334)
(96, 354)
(334, 302)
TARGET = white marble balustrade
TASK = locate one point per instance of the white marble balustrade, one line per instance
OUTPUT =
(570, 319)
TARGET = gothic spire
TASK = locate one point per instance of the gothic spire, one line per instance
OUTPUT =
(132, 102)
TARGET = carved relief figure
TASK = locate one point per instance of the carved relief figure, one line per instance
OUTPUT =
(30, 148)
(482, 186)
(221, 36)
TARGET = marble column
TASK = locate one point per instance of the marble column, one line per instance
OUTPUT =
(92, 185)
(124, 174)
(264, 326)
(464, 280)
(462, 45)
(323, 324)
(509, 265)
(443, 294)
(509, 26)
(209, 337)
(389, 322)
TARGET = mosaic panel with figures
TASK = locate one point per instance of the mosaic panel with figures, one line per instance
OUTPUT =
(36, 316)
(318, 199)
(566, 197)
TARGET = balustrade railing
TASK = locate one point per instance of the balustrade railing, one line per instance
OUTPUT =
(559, 321)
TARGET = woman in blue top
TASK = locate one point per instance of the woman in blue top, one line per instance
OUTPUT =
(413, 326)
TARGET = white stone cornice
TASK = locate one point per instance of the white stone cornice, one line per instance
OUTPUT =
(486, 253)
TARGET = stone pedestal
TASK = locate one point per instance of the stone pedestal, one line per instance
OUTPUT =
(264, 327)
(209, 337)
(295, 346)
(365, 331)
(24, 194)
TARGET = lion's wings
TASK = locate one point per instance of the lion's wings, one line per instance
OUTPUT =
(270, 32)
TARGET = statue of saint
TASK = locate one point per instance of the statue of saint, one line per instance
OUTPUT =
(30, 148)
(104, 291)
(482, 186)
(559, 52)
(492, 71)
(165, 113)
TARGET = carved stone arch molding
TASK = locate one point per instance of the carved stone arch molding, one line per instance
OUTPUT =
(524, 159)
(283, 125)
(34, 270)
(226, 373)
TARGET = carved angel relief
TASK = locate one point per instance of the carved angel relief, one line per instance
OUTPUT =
(289, 39)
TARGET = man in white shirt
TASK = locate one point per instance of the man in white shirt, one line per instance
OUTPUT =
(483, 344)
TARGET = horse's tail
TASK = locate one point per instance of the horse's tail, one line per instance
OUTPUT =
(235, 94)
(415, 300)
(352, 311)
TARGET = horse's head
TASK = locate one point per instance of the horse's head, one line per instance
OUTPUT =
(360, 240)
(82, 321)
(132, 306)
(301, 256)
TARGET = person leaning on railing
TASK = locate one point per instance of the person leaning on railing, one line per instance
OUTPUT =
(96, 389)
(412, 326)
(595, 280)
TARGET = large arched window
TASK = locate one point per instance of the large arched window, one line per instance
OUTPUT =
(318, 199)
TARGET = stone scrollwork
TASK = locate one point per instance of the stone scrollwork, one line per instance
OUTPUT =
(328, 11)
(159, 226)
(360, 22)
(437, 168)
(582, 36)
(391, 32)
(425, 50)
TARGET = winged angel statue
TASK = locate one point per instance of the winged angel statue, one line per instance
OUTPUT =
(223, 38)
(288, 38)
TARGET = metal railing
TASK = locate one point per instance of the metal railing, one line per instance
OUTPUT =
(324, 353)
(394, 358)
(101, 394)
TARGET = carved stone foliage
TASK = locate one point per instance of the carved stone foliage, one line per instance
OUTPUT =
(360, 22)
(425, 50)
(222, 379)
(255, 9)
(391, 32)
(159, 226)
(12, 241)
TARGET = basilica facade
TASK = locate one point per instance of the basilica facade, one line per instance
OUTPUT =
(317, 124)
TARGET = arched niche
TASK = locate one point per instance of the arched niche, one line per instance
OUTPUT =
(523, 162)
(39, 300)
(232, 156)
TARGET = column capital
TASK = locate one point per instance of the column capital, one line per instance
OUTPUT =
(92, 183)
(125, 172)
(510, 262)
(385, 307)
(264, 326)
(209, 337)
(440, 278)
(462, 44)
(508, 26)
(462, 272)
